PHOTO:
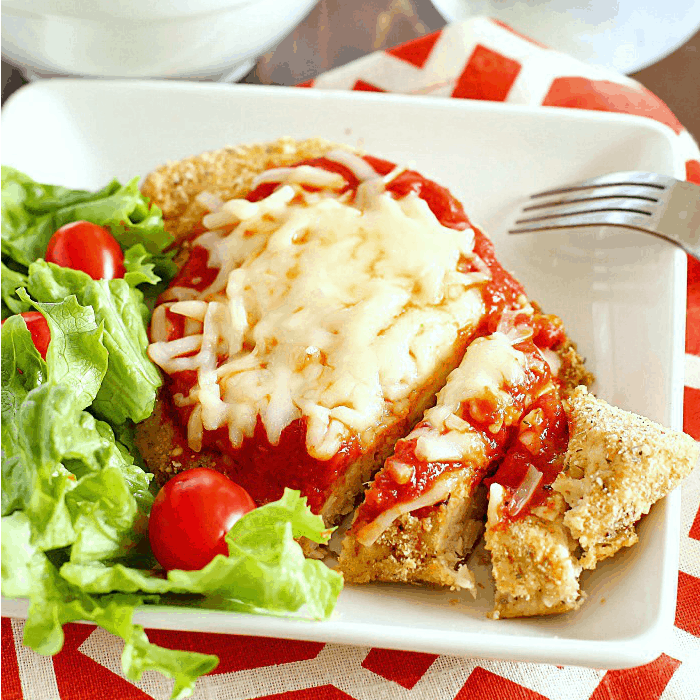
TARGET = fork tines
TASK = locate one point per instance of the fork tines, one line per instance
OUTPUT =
(648, 202)
(625, 199)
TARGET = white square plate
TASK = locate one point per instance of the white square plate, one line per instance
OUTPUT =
(621, 295)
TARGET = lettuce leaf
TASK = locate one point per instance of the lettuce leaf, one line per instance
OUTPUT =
(130, 386)
(17, 555)
(77, 547)
(76, 354)
(55, 602)
(184, 667)
(75, 496)
(32, 212)
(86, 491)
(266, 570)
(128, 390)
(104, 516)
(27, 213)
(84, 498)
(140, 267)
(12, 280)
(55, 448)
(22, 370)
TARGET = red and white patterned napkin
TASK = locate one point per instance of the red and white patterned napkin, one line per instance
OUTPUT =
(479, 59)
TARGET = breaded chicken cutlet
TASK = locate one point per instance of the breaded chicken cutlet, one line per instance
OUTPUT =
(317, 313)
(617, 465)
(427, 531)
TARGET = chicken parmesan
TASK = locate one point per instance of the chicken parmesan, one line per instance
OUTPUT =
(314, 320)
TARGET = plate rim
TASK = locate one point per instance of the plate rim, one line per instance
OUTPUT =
(319, 93)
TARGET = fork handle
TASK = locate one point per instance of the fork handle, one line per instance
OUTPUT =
(680, 222)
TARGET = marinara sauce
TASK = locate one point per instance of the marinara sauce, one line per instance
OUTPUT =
(265, 469)
(543, 450)
(482, 414)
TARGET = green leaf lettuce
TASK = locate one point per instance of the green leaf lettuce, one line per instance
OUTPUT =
(32, 212)
(265, 571)
(75, 498)
(131, 382)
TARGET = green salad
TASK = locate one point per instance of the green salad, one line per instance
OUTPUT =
(76, 496)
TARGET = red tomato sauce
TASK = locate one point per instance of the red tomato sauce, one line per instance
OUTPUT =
(385, 492)
(502, 292)
(264, 469)
(546, 454)
(196, 273)
(548, 331)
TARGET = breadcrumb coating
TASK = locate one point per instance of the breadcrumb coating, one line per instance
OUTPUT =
(617, 466)
(533, 560)
(227, 172)
(430, 549)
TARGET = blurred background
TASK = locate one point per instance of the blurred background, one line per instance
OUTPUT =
(284, 42)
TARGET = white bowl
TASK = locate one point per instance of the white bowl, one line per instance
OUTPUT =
(625, 35)
(145, 38)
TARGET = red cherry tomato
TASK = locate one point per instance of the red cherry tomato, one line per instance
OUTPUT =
(87, 247)
(192, 514)
(39, 330)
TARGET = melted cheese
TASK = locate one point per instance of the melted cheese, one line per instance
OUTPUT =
(304, 175)
(358, 166)
(325, 306)
(452, 446)
(490, 367)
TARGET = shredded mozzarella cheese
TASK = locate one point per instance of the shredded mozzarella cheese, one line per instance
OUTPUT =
(359, 167)
(302, 175)
(323, 308)
(490, 364)
(489, 368)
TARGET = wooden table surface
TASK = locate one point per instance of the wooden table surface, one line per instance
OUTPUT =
(337, 32)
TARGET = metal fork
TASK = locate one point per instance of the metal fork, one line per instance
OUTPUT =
(656, 204)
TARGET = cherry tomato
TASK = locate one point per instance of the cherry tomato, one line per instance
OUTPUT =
(39, 330)
(87, 247)
(192, 514)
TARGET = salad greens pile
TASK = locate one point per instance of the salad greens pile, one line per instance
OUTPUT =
(75, 493)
